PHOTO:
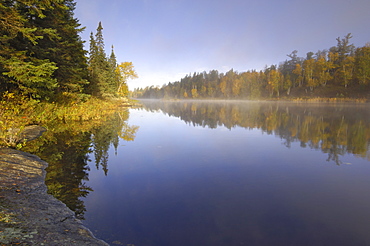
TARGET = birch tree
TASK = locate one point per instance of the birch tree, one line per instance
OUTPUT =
(125, 71)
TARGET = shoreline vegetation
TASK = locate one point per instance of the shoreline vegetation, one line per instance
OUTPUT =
(292, 100)
(31, 212)
(342, 71)
(16, 113)
(45, 73)
(332, 96)
(48, 79)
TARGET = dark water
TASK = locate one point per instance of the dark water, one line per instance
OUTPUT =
(235, 174)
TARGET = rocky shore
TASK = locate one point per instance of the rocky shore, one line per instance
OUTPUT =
(30, 216)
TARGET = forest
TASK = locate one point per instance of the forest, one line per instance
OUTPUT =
(342, 71)
(42, 55)
(45, 73)
(48, 79)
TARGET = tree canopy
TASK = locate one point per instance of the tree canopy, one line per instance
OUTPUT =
(341, 71)
(108, 79)
(42, 55)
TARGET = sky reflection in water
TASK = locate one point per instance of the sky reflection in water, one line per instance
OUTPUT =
(179, 184)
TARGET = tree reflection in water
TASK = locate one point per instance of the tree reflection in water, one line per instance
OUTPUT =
(66, 147)
(335, 129)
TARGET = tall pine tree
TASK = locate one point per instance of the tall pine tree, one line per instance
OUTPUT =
(115, 80)
(20, 69)
(100, 69)
(41, 53)
(66, 51)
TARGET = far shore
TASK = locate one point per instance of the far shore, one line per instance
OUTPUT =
(283, 99)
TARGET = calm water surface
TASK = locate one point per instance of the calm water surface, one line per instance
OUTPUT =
(236, 174)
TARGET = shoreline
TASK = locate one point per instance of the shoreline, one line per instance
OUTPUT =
(324, 101)
(28, 214)
(282, 99)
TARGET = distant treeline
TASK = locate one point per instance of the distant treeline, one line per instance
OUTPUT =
(341, 71)
(42, 55)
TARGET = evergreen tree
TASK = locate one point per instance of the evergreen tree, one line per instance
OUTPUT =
(115, 80)
(92, 68)
(101, 74)
(41, 52)
(20, 69)
(66, 51)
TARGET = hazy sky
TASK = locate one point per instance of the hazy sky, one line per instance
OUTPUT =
(167, 39)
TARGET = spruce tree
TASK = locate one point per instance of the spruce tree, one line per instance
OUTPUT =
(41, 53)
(100, 69)
(65, 50)
(20, 69)
(92, 68)
(113, 70)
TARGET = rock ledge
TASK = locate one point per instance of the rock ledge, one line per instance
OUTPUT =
(30, 216)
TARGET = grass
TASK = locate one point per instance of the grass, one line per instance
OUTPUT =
(16, 112)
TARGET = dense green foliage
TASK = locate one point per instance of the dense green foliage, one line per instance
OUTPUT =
(100, 69)
(108, 79)
(341, 71)
(42, 55)
(41, 52)
(47, 79)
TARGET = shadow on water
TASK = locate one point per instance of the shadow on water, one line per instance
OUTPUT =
(207, 185)
(204, 195)
(335, 129)
(67, 147)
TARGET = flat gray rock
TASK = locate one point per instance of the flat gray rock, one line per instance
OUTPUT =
(30, 216)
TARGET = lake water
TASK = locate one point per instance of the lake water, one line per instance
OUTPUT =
(228, 173)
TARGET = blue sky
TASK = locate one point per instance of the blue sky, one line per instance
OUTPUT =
(167, 39)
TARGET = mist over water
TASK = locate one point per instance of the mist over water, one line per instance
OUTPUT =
(226, 173)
